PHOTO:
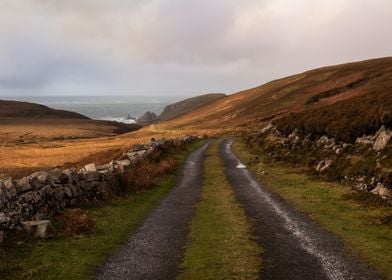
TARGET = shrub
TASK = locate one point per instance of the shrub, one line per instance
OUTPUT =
(76, 221)
(145, 174)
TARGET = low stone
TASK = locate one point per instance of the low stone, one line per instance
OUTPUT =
(41, 176)
(3, 219)
(68, 191)
(10, 187)
(382, 139)
(23, 185)
(125, 162)
(267, 128)
(323, 165)
(92, 176)
(105, 168)
(382, 191)
(39, 229)
(89, 168)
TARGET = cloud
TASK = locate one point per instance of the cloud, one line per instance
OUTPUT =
(180, 46)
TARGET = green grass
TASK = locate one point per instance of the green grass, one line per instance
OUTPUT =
(221, 244)
(78, 258)
(357, 219)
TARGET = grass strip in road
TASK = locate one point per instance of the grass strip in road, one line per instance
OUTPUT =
(221, 244)
(364, 225)
(78, 258)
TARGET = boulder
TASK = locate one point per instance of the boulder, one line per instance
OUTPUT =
(39, 229)
(4, 220)
(23, 185)
(267, 128)
(38, 179)
(323, 165)
(382, 191)
(89, 168)
(382, 139)
(10, 187)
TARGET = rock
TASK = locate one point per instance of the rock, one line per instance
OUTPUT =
(105, 168)
(382, 191)
(323, 165)
(147, 118)
(382, 139)
(89, 168)
(4, 220)
(39, 229)
(92, 176)
(10, 187)
(40, 176)
(365, 140)
(23, 185)
(267, 128)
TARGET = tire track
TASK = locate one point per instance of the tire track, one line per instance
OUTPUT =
(158, 246)
(295, 247)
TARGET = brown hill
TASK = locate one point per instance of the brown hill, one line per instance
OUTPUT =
(363, 85)
(16, 109)
(23, 122)
(182, 107)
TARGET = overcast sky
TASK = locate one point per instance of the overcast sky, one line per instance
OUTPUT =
(179, 47)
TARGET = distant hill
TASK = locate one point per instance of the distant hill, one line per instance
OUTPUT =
(179, 108)
(147, 118)
(25, 122)
(352, 98)
(16, 109)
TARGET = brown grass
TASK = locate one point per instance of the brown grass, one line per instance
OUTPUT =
(76, 222)
(22, 159)
(251, 108)
(145, 175)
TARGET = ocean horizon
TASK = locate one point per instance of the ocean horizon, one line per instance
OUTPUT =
(114, 108)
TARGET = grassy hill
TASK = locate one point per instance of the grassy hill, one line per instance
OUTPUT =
(182, 107)
(342, 92)
(16, 109)
(23, 122)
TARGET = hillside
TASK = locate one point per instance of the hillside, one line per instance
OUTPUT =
(307, 92)
(182, 107)
(16, 109)
(23, 122)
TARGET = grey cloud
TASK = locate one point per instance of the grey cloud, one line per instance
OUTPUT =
(180, 46)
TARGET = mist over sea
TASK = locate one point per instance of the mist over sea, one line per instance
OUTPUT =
(116, 108)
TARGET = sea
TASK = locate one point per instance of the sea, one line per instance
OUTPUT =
(124, 109)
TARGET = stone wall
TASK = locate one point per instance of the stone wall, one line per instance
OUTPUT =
(45, 193)
(365, 164)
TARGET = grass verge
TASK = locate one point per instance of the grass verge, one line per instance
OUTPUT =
(221, 245)
(358, 220)
(79, 257)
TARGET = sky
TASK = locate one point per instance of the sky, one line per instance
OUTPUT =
(179, 47)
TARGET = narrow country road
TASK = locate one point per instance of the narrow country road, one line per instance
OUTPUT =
(157, 248)
(295, 247)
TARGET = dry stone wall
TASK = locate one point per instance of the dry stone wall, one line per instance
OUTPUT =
(44, 193)
(365, 164)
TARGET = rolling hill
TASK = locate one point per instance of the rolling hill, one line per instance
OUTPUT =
(182, 107)
(24, 122)
(352, 89)
(16, 109)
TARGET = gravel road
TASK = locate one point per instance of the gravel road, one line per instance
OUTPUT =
(158, 246)
(295, 247)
